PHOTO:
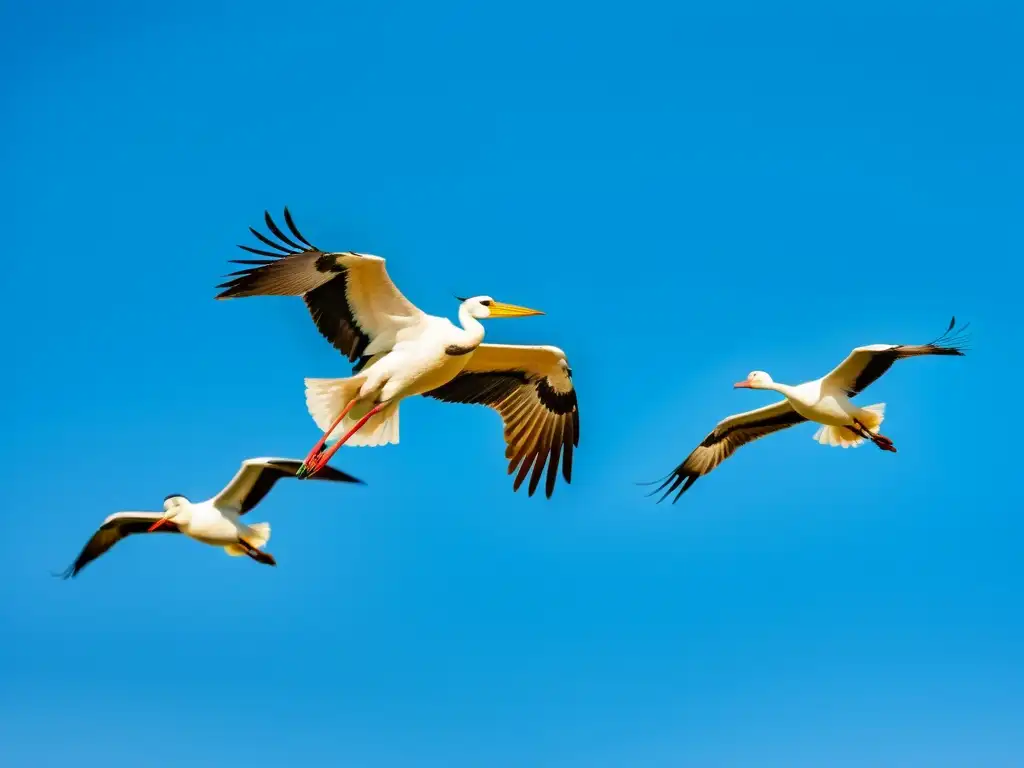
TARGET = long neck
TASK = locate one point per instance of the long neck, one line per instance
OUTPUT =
(783, 389)
(471, 327)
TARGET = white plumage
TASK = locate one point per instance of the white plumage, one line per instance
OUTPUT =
(216, 521)
(826, 401)
(401, 351)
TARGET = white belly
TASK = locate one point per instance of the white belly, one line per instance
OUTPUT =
(435, 375)
(211, 527)
(825, 411)
(413, 371)
(823, 407)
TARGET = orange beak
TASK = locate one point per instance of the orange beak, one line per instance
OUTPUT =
(157, 524)
(742, 385)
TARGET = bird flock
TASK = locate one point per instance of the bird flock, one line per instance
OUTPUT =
(398, 351)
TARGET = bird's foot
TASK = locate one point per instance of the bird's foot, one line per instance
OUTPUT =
(319, 456)
(257, 554)
(885, 443)
(312, 464)
(881, 441)
(263, 557)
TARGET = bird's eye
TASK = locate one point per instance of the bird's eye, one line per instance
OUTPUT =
(486, 302)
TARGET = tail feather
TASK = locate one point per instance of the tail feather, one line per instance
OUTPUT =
(841, 437)
(325, 399)
(381, 429)
(259, 534)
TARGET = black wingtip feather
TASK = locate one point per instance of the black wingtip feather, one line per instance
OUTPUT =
(267, 241)
(671, 482)
(295, 231)
(261, 253)
(279, 234)
(954, 341)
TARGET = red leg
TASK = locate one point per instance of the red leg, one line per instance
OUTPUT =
(881, 441)
(318, 448)
(326, 457)
(886, 444)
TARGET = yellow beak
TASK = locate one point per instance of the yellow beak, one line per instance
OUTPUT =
(500, 309)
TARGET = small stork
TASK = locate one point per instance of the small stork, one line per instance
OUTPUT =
(826, 401)
(216, 521)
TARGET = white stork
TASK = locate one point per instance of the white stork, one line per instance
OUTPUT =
(216, 521)
(825, 401)
(400, 351)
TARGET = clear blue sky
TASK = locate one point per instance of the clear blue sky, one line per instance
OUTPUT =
(689, 194)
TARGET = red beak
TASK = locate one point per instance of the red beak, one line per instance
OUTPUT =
(157, 524)
(742, 385)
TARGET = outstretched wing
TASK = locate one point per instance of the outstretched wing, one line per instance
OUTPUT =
(865, 365)
(349, 295)
(532, 389)
(722, 442)
(256, 477)
(113, 529)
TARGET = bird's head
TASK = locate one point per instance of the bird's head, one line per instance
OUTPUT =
(176, 509)
(755, 380)
(483, 307)
(174, 505)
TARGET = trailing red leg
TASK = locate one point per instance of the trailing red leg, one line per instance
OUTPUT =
(311, 459)
(323, 458)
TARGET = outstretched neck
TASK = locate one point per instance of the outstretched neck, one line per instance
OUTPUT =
(472, 329)
(783, 389)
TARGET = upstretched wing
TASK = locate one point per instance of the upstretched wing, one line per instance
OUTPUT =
(256, 477)
(349, 295)
(532, 389)
(113, 529)
(722, 442)
(865, 365)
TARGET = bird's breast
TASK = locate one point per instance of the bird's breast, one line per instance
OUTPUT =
(212, 527)
(816, 405)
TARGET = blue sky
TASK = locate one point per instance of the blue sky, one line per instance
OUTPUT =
(689, 193)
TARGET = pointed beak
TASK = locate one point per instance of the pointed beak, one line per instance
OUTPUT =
(158, 523)
(742, 385)
(500, 309)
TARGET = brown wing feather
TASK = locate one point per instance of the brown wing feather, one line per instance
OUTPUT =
(111, 532)
(722, 442)
(541, 423)
(865, 365)
(301, 270)
(281, 468)
(882, 361)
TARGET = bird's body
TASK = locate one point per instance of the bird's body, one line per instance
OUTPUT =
(426, 356)
(826, 401)
(402, 351)
(219, 526)
(216, 521)
(823, 402)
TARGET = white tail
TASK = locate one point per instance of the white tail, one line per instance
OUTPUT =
(258, 536)
(325, 399)
(872, 417)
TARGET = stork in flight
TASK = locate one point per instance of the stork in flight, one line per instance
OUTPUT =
(400, 351)
(217, 521)
(826, 401)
